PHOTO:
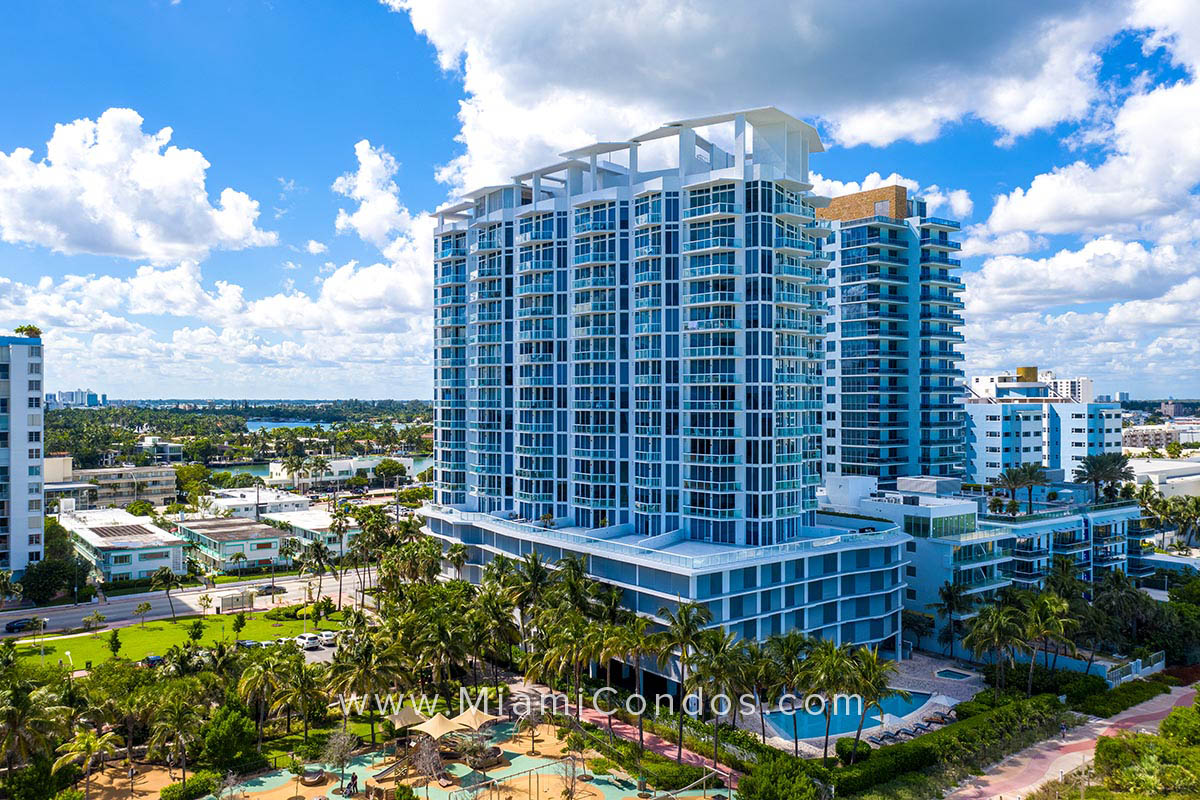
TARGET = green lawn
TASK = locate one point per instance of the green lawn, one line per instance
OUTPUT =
(158, 636)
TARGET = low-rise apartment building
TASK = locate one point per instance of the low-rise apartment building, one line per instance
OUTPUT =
(108, 486)
(123, 547)
(340, 470)
(956, 539)
(255, 502)
(218, 541)
(161, 451)
(315, 525)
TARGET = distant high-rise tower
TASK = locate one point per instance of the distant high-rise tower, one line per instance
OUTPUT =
(892, 378)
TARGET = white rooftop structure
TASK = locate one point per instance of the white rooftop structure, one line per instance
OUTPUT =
(121, 545)
(253, 502)
(1170, 476)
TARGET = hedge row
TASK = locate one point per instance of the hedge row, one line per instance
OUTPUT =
(958, 742)
(1119, 698)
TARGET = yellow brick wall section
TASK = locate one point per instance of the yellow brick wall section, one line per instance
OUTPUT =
(862, 204)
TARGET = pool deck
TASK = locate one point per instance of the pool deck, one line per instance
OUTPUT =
(916, 674)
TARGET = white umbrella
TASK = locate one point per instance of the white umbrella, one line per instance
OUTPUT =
(474, 718)
(438, 726)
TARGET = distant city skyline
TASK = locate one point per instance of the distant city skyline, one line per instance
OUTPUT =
(284, 245)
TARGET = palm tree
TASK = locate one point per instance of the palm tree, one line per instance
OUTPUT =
(762, 678)
(530, 584)
(30, 721)
(293, 466)
(1090, 470)
(367, 666)
(176, 726)
(238, 559)
(1046, 620)
(996, 629)
(258, 681)
(1121, 600)
(684, 628)
(339, 524)
(165, 578)
(130, 709)
(1116, 469)
(87, 748)
(828, 671)
(871, 680)
(630, 643)
(1032, 475)
(456, 554)
(316, 466)
(1012, 480)
(953, 601)
(302, 689)
(316, 560)
(719, 668)
(789, 652)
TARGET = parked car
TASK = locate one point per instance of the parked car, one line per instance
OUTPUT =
(26, 624)
(329, 638)
(153, 661)
(247, 644)
(270, 588)
(282, 640)
(308, 641)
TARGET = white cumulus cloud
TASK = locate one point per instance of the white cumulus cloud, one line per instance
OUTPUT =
(106, 187)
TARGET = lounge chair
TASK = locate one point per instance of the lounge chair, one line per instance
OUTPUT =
(445, 781)
(909, 732)
(889, 737)
(876, 740)
(922, 727)
(935, 721)
(944, 717)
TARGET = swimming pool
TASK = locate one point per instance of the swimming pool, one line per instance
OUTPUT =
(952, 674)
(845, 719)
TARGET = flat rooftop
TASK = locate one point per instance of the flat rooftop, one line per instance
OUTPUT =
(313, 519)
(231, 529)
(672, 549)
(252, 495)
(116, 529)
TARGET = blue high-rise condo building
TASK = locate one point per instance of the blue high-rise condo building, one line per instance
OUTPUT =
(628, 367)
(893, 384)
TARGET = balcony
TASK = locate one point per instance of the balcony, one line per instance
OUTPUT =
(545, 287)
(796, 243)
(707, 270)
(595, 226)
(938, 243)
(712, 298)
(794, 211)
(536, 265)
(594, 257)
(712, 243)
(874, 258)
(939, 258)
(487, 244)
(647, 251)
(542, 235)
(647, 219)
(938, 223)
(450, 252)
(711, 211)
(711, 513)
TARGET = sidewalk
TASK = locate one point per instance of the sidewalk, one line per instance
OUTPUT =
(654, 743)
(1023, 772)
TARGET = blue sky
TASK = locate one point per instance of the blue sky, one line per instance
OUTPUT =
(273, 242)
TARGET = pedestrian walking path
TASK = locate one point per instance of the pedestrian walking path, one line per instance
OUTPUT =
(1022, 773)
(653, 742)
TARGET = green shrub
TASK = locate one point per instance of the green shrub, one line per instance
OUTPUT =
(1081, 687)
(959, 742)
(970, 709)
(601, 766)
(1182, 726)
(228, 738)
(405, 792)
(1119, 698)
(779, 778)
(197, 786)
(69, 794)
(37, 781)
(845, 747)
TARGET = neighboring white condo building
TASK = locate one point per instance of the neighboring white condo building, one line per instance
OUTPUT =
(1016, 419)
(253, 502)
(628, 346)
(21, 479)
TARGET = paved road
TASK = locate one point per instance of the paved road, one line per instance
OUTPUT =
(187, 601)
